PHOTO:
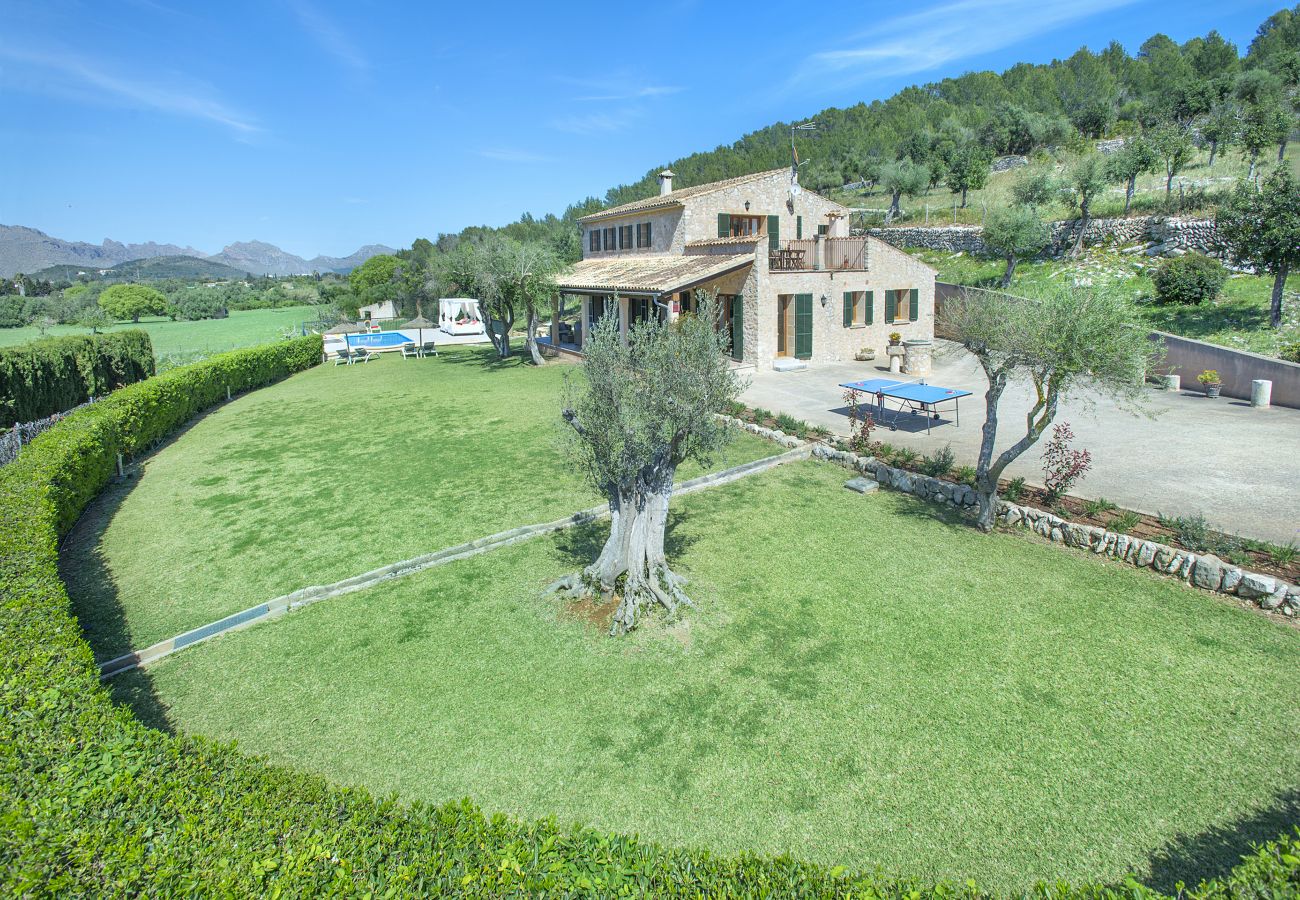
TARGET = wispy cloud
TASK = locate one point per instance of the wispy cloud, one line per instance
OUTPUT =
(332, 39)
(514, 155)
(930, 38)
(598, 123)
(650, 90)
(67, 73)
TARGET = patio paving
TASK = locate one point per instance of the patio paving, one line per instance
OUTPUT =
(1238, 466)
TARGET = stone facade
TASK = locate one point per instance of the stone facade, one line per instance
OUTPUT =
(691, 225)
(1162, 235)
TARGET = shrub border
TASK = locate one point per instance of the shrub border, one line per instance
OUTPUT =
(94, 802)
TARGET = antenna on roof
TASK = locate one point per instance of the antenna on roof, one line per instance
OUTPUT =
(810, 125)
(795, 190)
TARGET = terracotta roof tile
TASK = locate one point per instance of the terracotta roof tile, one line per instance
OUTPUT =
(675, 198)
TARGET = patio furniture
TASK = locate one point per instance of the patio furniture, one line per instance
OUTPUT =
(361, 354)
(429, 348)
(410, 351)
(344, 358)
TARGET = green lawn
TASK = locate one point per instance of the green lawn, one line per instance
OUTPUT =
(331, 473)
(175, 343)
(861, 684)
(1238, 319)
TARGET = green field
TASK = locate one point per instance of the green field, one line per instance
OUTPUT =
(329, 474)
(175, 343)
(862, 684)
(1239, 318)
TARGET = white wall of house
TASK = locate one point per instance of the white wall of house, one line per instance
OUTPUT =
(385, 309)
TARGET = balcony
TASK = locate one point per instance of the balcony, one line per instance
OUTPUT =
(840, 254)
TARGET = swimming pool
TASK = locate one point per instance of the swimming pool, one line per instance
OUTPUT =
(383, 339)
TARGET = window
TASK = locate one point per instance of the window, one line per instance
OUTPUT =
(609, 238)
(638, 310)
(593, 240)
(858, 308)
(901, 305)
(746, 226)
(625, 237)
(687, 303)
(823, 229)
(643, 234)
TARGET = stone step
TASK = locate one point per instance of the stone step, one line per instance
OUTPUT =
(789, 365)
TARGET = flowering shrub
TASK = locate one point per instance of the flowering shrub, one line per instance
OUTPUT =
(1063, 465)
(860, 424)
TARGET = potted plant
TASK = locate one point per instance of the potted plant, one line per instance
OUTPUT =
(895, 339)
(1209, 379)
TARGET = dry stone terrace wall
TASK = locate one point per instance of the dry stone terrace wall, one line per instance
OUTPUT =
(1205, 571)
(1162, 235)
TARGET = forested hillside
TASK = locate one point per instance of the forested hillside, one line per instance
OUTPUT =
(1243, 102)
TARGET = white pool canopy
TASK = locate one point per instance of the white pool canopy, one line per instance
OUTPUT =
(460, 315)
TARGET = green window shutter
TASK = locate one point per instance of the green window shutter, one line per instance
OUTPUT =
(774, 232)
(798, 228)
(803, 325)
(891, 307)
(648, 241)
(871, 306)
(724, 225)
(914, 305)
(848, 308)
(823, 229)
(737, 327)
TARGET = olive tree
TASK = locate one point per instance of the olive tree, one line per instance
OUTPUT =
(1134, 158)
(1015, 232)
(638, 409)
(1080, 185)
(903, 178)
(1261, 228)
(1060, 340)
(968, 169)
(1174, 149)
(508, 277)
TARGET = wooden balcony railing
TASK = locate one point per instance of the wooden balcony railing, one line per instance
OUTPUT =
(838, 254)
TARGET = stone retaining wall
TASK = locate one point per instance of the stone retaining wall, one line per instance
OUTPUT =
(1158, 235)
(1205, 571)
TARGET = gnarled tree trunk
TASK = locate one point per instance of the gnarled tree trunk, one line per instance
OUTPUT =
(533, 350)
(634, 551)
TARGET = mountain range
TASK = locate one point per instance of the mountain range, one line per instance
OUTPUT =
(25, 249)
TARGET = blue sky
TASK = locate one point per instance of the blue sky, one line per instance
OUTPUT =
(321, 126)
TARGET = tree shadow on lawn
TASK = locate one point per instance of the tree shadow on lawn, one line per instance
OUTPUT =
(1213, 853)
(98, 609)
(1198, 321)
(482, 357)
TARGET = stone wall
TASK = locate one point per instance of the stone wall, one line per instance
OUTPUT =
(1205, 571)
(1161, 235)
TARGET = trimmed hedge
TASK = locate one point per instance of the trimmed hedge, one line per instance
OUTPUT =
(53, 375)
(93, 802)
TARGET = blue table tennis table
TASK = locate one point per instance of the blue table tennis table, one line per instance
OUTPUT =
(912, 396)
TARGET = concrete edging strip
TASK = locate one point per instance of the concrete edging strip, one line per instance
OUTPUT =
(306, 596)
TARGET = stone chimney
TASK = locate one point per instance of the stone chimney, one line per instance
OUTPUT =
(665, 182)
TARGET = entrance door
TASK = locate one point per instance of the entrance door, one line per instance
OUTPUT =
(803, 326)
(784, 325)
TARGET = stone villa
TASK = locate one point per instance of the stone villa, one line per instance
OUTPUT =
(792, 283)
